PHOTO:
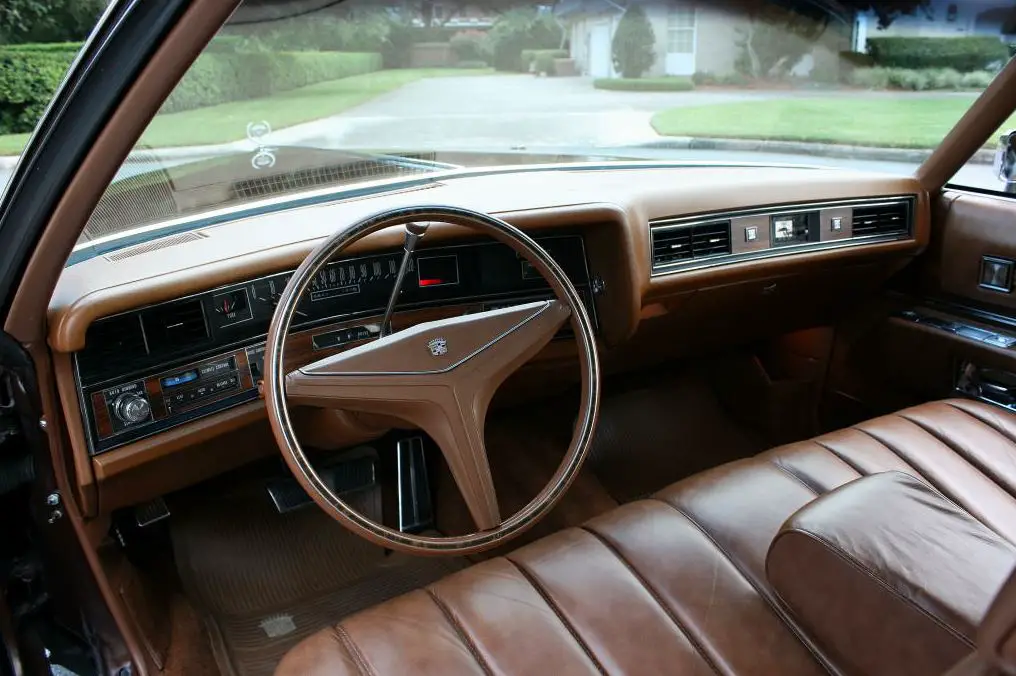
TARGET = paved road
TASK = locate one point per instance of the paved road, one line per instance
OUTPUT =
(505, 111)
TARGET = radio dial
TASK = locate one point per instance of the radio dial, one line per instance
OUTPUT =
(132, 408)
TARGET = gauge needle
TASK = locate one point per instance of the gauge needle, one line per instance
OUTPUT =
(414, 232)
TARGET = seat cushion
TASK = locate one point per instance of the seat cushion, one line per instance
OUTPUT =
(889, 546)
(675, 583)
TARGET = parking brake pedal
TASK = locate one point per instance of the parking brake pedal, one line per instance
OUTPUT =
(415, 510)
(151, 512)
(344, 477)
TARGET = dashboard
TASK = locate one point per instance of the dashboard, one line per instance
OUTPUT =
(151, 369)
(157, 348)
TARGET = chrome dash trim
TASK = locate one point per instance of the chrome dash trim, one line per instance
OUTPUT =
(675, 223)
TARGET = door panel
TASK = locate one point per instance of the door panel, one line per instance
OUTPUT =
(939, 324)
(973, 227)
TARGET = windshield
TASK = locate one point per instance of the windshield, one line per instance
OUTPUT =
(297, 96)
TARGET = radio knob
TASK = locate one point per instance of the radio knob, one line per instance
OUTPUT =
(131, 408)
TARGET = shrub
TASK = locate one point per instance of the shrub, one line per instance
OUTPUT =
(645, 84)
(542, 58)
(470, 47)
(978, 79)
(945, 78)
(29, 75)
(521, 29)
(919, 80)
(905, 78)
(218, 78)
(703, 77)
(964, 54)
(471, 64)
(870, 78)
(633, 44)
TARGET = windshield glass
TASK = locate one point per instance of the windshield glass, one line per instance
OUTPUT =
(296, 96)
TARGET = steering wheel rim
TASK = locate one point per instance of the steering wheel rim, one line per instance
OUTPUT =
(281, 386)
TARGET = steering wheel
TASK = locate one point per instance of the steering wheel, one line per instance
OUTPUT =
(439, 376)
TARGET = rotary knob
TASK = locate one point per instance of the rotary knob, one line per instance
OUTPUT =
(132, 408)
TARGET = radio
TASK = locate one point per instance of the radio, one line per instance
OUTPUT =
(134, 409)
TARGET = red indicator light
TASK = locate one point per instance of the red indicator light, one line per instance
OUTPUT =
(431, 282)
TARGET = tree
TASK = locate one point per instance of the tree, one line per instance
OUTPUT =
(634, 43)
(47, 20)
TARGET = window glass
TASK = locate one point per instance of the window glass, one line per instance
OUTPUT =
(317, 95)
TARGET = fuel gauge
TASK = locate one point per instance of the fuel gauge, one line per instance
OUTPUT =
(232, 307)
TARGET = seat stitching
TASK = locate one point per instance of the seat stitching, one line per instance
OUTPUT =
(786, 470)
(974, 462)
(362, 666)
(868, 572)
(460, 630)
(651, 590)
(780, 613)
(842, 458)
(983, 421)
(920, 473)
(924, 475)
(557, 611)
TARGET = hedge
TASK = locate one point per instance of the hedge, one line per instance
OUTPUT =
(919, 79)
(963, 54)
(220, 77)
(29, 75)
(645, 84)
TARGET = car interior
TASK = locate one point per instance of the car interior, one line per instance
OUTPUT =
(615, 418)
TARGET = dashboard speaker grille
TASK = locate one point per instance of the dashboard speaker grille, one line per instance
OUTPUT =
(701, 240)
(160, 243)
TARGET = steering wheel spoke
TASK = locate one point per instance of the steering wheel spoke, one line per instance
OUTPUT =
(439, 376)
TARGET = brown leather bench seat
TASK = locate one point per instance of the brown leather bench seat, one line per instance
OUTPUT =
(673, 584)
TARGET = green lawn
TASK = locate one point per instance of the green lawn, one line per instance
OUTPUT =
(906, 121)
(228, 121)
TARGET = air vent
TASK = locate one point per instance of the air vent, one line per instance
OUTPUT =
(174, 326)
(891, 218)
(112, 345)
(691, 242)
(161, 243)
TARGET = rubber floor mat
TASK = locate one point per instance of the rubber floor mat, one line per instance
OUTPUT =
(263, 581)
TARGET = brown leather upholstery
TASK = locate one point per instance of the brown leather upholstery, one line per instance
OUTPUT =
(890, 547)
(675, 583)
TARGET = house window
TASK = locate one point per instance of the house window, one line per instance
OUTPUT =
(681, 31)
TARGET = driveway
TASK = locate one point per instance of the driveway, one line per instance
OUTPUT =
(500, 112)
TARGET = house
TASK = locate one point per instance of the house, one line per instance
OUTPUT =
(942, 18)
(690, 36)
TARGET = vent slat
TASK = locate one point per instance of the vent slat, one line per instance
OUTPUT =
(691, 242)
(885, 219)
(112, 345)
(174, 326)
